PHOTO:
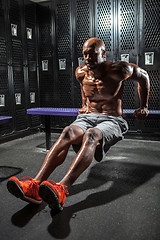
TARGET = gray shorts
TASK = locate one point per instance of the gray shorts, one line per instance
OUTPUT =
(113, 129)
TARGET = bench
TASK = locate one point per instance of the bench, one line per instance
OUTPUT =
(47, 112)
(5, 119)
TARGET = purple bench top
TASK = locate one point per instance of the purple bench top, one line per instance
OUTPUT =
(152, 113)
(53, 111)
(5, 119)
(74, 111)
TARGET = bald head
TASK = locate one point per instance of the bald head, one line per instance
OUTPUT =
(94, 43)
(93, 52)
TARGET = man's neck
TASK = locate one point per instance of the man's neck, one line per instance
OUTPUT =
(97, 72)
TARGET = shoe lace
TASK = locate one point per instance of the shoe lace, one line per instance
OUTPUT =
(63, 187)
(32, 186)
(60, 187)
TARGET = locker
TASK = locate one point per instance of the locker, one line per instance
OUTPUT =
(105, 27)
(63, 30)
(149, 43)
(83, 30)
(17, 53)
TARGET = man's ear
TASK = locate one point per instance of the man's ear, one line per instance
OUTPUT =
(103, 53)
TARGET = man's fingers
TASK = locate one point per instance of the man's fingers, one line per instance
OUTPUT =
(141, 114)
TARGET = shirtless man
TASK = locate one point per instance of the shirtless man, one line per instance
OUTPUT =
(98, 126)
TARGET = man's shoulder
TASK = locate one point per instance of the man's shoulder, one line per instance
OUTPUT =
(115, 63)
(80, 72)
(82, 68)
(122, 66)
(107, 64)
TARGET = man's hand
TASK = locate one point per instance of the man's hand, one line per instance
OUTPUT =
(141, 113)
(84, 109)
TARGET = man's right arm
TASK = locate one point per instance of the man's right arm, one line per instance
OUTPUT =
(80, 74)
(121, 70)
(141, 76)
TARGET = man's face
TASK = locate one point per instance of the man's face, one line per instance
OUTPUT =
(92, 56)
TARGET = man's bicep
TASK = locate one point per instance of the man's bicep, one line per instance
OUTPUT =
(79, 73)
(138, 73)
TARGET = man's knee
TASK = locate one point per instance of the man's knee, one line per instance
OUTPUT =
(70, 134)
(92, 136)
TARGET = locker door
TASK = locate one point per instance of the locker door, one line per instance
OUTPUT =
(16, 35)
(16, 31)
(3, 50)
(5, 99)
(128, 50)
(31, 63)
(105, 26)
(64, 49)
(19, 98)
(83, 30)
(64, 64)
(5, 107)
(45, 56)
(150, 55)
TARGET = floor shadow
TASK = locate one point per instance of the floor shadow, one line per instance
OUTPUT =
(23, 216)
(125, 178)
(6, 172)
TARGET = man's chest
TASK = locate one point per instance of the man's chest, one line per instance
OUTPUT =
(104, 87)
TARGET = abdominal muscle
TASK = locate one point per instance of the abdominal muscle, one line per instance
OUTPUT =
(103, 99)
(111, 107)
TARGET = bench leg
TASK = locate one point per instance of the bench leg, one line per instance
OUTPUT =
(48, 132)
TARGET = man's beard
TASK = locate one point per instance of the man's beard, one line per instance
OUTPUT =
(91, 66)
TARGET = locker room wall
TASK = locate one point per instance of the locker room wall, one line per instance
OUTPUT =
(60, 27)
(128, 28)
(18, 65)
(150, 42)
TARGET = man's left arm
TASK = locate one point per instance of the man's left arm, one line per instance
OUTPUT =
(141, 76)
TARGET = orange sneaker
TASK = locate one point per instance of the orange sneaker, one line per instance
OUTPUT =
(54, 194)
(26, 190)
